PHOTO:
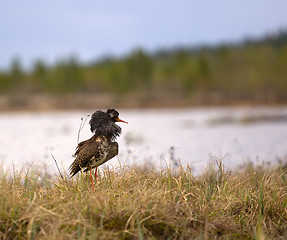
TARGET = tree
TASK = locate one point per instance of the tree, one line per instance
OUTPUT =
(16, 73)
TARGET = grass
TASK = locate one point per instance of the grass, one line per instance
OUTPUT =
(138, 203)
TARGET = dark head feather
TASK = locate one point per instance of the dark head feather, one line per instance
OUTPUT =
(103, 123)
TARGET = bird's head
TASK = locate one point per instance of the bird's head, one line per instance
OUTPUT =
(115, 115)
(103, 123)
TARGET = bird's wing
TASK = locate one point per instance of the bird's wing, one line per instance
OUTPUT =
(80, 146)
(84, 155)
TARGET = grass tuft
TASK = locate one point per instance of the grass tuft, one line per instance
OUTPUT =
(140, 203)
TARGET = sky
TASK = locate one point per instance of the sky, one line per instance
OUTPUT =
(53, 30)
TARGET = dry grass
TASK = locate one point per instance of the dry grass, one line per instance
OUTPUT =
(133, 203)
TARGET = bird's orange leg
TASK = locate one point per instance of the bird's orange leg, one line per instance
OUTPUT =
(92, 179)
(96, 173)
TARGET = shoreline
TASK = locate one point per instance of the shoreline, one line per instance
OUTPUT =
(74, 102)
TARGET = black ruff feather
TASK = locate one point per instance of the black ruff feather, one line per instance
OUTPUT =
(103, 123)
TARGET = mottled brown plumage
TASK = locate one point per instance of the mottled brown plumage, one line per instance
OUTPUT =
(93, 153)
(99, 148)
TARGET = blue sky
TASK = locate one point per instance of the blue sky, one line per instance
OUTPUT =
(54, 29)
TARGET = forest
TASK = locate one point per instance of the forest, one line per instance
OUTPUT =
(250, 71)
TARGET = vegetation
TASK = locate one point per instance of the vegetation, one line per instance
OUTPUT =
(138, 203)
(251, 71)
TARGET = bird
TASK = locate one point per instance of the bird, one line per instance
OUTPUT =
(101, 147)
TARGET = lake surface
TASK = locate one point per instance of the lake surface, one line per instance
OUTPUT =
(196, 135)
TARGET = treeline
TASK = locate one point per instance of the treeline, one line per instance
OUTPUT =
(252, 71)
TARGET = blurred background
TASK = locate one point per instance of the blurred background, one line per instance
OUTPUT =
(193, 78)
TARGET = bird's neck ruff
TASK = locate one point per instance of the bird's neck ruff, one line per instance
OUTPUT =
(103, 125)
(110, 131)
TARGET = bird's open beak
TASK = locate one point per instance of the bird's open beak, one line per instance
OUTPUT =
(120, 120)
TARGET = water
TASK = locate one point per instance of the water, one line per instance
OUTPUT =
(196, 135)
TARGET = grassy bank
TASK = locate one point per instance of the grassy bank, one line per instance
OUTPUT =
(134, 203)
